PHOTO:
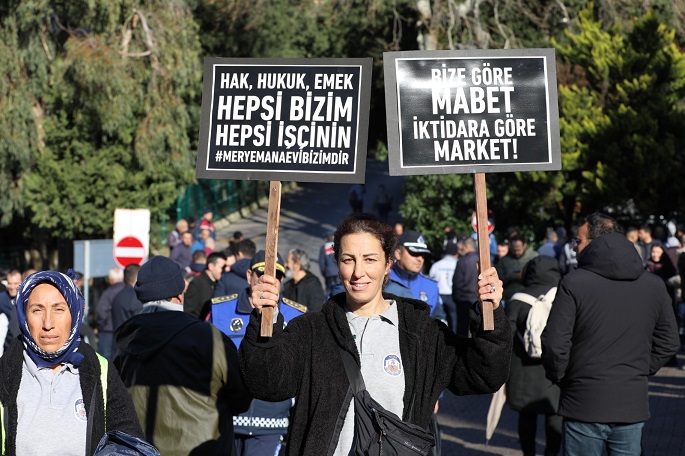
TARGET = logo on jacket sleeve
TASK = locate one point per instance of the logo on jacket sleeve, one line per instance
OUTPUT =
(423, 296)
(392, 365)
(236, 324)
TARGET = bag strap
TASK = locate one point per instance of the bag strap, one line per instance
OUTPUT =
(3, 416)
(89, 426)
(551, 294)
(524, 297)
(532, 300)
(354, 373)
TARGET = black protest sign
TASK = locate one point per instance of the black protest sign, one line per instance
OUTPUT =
(454, 112)
(285, 119)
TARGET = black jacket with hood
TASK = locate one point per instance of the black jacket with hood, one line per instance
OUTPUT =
(170, 361)
(611, 325)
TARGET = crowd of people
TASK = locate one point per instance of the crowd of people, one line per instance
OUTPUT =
(182, 333)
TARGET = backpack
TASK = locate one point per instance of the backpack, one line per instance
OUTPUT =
(536, 321)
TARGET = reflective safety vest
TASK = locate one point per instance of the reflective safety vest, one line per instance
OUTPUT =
(104, 367)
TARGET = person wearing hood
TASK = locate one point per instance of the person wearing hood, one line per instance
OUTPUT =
(610, 327)
(528, 391)
(182, 373)
(50, 379)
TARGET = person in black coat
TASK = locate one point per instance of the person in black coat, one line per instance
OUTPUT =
(528, 391)
(611, 326)
(303, 286)
(417, 358)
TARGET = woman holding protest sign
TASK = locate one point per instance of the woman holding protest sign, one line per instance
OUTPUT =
(406, 357)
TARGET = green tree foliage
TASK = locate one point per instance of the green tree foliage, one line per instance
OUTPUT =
(621, 121)
(430, 202)
(621, 125)
(100, 108)
(633, 84)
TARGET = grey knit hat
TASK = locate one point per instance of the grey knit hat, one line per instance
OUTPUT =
(158, 279)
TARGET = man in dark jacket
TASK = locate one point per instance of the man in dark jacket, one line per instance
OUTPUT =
(103, 312)
(183, 252)
(125, 304)
(303, 286)
(329, 267)
(610, 327)
(464, 285)
(509, 267)
(8, 308)
(182, 373)
(198, 299)
(235, 280)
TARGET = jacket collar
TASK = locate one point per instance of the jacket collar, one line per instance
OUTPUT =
(404, 274)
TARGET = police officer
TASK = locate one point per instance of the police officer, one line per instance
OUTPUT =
(261, 429)
(410, 256)
(409, 260)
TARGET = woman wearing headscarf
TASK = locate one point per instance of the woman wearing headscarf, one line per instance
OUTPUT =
(50, 384)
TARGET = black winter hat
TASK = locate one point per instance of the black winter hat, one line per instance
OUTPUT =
(159, 279)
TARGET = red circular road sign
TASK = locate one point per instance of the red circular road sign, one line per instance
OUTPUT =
(474, 223)
(129, 250)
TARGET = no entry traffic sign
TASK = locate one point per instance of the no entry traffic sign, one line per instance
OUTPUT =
(474, 223)
(129, 250)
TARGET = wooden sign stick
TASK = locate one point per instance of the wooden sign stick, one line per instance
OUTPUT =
(272, 223)
(483, 244)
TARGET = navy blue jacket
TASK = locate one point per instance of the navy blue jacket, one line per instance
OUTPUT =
(422, 288)
(235, 280)
(7, 307)
(465, 279)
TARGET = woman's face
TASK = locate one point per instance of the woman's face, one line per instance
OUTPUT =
(657, 251)
(363, 267)
(48, 317)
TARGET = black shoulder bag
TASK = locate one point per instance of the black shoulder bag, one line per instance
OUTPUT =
(379, 432)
